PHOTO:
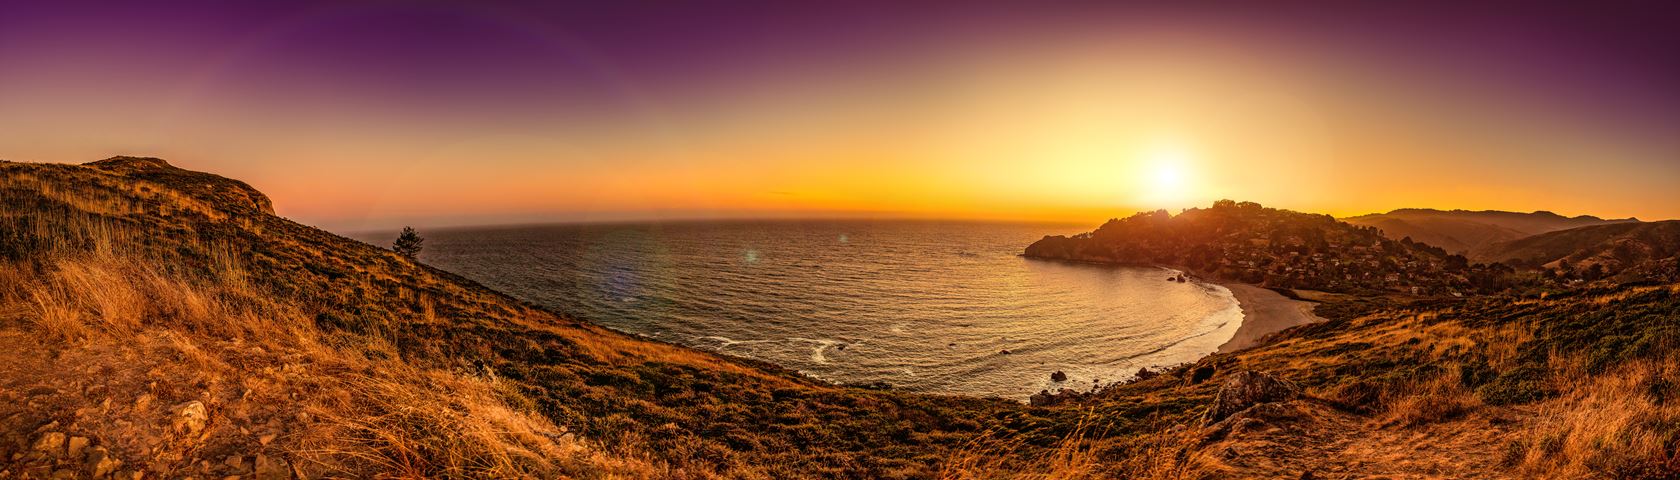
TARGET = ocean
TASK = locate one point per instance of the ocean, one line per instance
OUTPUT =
(924, 306)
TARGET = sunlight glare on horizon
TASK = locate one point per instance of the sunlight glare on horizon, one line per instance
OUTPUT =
(1167, 177)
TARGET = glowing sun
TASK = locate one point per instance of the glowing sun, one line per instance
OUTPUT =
(1166, 177)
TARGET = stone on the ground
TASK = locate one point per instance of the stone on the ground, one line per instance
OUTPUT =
(1143, 373)
(100, 462)
(1058, 376)
(77, 446)
(144, 401)
(190, 417)
(1249, 388)
(271, 468)
(235, 462)
(51, 444)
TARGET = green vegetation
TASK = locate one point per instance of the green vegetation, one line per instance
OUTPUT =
(408, 243)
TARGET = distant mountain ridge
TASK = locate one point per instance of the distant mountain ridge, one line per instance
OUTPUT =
(1465, 231)
(1638, 250)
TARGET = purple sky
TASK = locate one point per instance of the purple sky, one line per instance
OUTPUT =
(172, 67)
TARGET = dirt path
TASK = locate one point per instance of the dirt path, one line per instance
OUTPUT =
(1293, 439)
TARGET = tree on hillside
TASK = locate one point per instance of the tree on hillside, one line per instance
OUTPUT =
(408, 243)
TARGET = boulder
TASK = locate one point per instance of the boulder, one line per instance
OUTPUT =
(1058, 376)
(1249, 388)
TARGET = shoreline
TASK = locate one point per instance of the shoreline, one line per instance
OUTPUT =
(1264, 312)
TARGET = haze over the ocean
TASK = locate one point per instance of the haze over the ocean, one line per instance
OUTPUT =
(360, 115)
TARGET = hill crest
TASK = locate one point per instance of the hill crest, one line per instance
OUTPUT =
(1464, 231)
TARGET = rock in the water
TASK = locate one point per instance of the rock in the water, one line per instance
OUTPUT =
(50, 443)
(1058, 376)
(190, 417)
(1249, 388)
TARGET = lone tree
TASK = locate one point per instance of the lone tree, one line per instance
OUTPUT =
(408, 243)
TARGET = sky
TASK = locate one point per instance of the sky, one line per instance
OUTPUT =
(371, 114)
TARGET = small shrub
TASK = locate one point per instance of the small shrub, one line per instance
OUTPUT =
(1523, 384)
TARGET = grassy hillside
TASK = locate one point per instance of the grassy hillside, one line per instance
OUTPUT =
(1632, 251)
(163, 322)
(131, 257)
(1464, 231)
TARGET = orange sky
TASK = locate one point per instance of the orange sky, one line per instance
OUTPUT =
(1075, 124)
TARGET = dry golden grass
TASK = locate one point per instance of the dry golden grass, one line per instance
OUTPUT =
(986, 457)
(113, 197)
(1621, 424)
(1437, 399)
(375, 416)
(1164, 454)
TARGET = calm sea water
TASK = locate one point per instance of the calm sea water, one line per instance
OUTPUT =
(924, 306)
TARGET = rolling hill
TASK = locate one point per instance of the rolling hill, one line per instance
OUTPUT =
(1464, 231)
(1650, 249)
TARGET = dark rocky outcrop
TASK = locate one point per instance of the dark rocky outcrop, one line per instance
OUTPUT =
(1045, 399)
(1200, 374)
(1249, 388)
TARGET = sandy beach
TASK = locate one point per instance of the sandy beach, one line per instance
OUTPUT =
(1264, 312)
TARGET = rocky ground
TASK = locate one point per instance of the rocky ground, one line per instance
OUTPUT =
(140, 409)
